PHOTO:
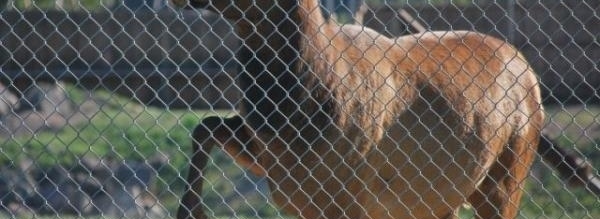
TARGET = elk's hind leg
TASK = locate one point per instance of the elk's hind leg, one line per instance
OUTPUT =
(499, 195)
(232, 136)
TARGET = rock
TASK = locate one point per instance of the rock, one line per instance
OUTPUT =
(8, 101)
(13, 187)
(48, 98)
(43, 106)
(92, 187)
(57, 191)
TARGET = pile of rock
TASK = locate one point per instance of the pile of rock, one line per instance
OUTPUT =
(43, 106)
(92, 187)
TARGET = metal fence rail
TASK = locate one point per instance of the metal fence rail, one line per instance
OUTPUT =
(100, 102)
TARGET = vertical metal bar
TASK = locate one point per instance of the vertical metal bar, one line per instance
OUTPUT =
(510, 7)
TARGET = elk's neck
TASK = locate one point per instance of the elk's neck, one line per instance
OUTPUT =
(281, 89)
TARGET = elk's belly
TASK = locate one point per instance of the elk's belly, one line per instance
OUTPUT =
(426, 168)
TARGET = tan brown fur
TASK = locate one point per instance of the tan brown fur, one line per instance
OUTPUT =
(411, 127)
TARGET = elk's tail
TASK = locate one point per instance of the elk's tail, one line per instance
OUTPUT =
(572, 168)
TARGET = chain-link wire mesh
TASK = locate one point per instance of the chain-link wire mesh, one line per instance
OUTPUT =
(111, 109)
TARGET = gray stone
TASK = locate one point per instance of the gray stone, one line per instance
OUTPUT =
(8, 101)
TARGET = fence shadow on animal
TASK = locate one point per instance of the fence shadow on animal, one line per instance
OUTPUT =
(344, 122)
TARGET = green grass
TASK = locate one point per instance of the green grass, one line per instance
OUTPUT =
(114, 132)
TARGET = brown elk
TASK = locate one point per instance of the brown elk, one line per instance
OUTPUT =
(347, 123)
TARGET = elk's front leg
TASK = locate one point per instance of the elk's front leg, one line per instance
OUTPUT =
(232, 136)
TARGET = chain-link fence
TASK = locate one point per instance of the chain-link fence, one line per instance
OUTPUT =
(111, 109)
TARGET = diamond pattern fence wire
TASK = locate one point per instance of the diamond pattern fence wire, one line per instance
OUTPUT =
(283, 109)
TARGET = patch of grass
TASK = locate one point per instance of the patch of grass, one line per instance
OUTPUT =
(111, 134)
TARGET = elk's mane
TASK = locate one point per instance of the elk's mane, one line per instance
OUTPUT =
(288, 70)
